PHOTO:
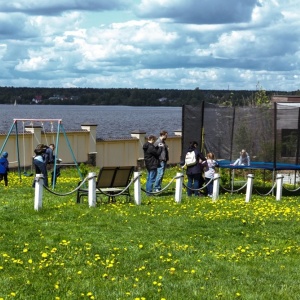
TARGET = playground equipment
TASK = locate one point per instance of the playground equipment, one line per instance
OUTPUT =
(31, 123)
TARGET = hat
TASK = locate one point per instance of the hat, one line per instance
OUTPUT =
(4, 154)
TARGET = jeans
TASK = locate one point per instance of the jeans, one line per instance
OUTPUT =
(160, 175)
(210, 186)
(193, 183)
(150, 180)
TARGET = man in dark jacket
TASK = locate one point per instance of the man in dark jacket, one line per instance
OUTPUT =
(163, 158)
(194, 173)
(151, 157)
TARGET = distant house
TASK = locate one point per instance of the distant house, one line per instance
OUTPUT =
(286, 98)
(37, 99)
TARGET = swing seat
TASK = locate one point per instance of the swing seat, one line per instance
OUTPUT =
(27, 175)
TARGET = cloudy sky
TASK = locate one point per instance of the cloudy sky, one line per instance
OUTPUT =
(165, 44)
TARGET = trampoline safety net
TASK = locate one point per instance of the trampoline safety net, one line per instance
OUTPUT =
(267, 134)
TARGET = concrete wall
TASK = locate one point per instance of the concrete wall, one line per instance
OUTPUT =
(83, 146)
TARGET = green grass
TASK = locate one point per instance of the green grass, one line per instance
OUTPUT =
(198, 249)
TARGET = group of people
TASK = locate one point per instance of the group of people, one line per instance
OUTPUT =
(44, 160)
(203, 165)
(156, 155)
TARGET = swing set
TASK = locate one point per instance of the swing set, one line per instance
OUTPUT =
(41, 122)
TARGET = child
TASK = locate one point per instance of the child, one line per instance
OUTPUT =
(243, 160)
(4, 168)
(210, 164)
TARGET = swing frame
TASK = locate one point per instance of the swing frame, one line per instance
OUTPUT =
(60, 129)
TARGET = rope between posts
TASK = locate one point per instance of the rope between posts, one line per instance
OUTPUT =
(234, 191)
(71, 192)
(295, 190)
(268, 192)
(155, 193)
(200, 189)
(121, 192)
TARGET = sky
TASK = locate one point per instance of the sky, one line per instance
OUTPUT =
(153, 44)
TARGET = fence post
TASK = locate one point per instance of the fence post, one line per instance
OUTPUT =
(178, 190)
(279, 182)
(38, 196)
(137, 188)
(216, 186)
(249, 187)
(92, 189)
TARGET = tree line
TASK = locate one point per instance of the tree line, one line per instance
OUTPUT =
(135, 96)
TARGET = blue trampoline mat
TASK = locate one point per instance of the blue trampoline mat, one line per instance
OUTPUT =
(259, 165)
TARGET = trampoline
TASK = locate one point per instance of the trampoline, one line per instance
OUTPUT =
(260, 165)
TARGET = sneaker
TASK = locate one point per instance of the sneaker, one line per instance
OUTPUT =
(157, 190)
(209, 195)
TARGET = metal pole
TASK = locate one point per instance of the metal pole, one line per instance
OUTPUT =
(216, 187)
(279, 182)
(249, 187)
(38, 197)
(137, 188)
(92, 189)
(178, 190)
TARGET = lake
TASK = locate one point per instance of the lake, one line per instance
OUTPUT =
(113, 121)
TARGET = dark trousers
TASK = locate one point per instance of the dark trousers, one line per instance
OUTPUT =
(40, 168)
(4, 176)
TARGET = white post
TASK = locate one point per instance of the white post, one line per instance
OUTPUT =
(38, 196)
(249, 187)
(178, 190)
(92, 189)
(279, 182)
(137, 188)
(216, 186)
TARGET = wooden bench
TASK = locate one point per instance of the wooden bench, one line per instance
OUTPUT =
(110, 182)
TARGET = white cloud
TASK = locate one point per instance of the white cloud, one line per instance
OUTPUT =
(170, 44)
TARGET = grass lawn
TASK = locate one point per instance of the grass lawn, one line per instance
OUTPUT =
(198, 249)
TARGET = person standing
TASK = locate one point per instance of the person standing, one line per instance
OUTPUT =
(151, 157)
(4, 168)
(49, 155)
(40, 163)
(210, 165)
(163, 158)
(194, 172)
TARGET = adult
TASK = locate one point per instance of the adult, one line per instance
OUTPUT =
(163, 158)
(49, 154)
(194, 172)
(4, 168)
(40, 162)
(243, 160)
(151, 157)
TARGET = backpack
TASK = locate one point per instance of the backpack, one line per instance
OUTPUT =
(190, 158)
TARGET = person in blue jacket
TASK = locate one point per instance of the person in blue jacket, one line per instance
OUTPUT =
(4, 168)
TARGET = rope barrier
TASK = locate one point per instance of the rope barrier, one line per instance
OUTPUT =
(162, 190)
(200, 189)
(121, 192)
(68, 193)
(234, 191)
(295, 190)
(268, 192)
